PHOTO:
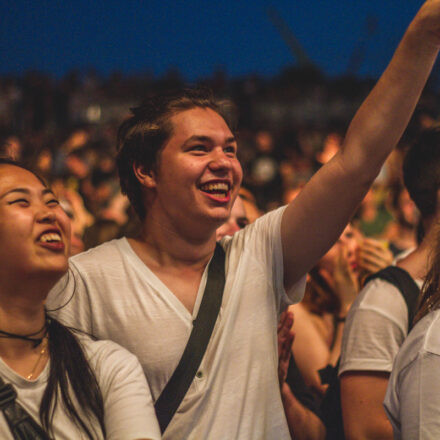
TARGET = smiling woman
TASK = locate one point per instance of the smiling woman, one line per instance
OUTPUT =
(30, 212)
(82, 373)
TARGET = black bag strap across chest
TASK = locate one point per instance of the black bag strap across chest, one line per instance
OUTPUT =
(179, 383)
(20, 422)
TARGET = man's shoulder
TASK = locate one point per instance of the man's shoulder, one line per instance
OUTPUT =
(105, 251)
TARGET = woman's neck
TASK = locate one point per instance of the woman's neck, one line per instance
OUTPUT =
(21, 313)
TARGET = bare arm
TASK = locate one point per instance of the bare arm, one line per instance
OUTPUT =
(319, 339)
(362, 394)
(314, 219)
(303, 423)
(310, 348)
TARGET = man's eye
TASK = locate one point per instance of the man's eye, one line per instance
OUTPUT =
(230, 150)
(198, 148)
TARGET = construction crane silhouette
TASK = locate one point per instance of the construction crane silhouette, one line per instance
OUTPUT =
(356, 58)
(359, 52)
(304, 61)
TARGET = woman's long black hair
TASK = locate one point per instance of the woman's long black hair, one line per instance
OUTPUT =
(69, 373)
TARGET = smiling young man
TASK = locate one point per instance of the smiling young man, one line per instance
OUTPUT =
(177, 163)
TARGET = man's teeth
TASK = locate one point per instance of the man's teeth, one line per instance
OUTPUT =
(50, 237)
(216, 187)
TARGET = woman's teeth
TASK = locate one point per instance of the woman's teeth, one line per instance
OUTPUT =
(50, 237)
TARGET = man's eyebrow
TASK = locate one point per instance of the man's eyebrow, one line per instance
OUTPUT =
(202, 138)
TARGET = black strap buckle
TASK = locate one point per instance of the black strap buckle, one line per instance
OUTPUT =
(7, 395)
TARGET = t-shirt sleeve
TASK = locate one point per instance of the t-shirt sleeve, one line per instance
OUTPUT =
(296, 293)
(375, 329)
(262, 240)
(128, 405)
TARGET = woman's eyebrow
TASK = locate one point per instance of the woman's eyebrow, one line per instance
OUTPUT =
(47, 191)
(19, 190)
(26, 191)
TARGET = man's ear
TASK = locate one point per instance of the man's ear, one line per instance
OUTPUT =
(146, 176)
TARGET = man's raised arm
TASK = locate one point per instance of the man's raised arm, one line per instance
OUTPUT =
(316, 218)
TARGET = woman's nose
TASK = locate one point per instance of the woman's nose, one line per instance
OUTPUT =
(46, 215)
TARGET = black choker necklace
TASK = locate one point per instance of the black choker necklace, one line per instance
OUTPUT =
(35, 341)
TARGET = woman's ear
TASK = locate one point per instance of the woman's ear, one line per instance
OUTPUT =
(146, 176)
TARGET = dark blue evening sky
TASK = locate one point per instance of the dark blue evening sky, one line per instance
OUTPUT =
(197, 37)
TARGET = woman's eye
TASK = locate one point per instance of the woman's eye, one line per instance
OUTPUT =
(20, 201)
(53, 202)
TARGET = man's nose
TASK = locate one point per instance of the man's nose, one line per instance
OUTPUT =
(219, 160)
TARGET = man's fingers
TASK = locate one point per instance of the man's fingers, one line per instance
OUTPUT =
(288, 319)
(281, 321)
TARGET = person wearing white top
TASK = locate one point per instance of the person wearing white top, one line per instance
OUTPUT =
(177, 162)
(70, 386)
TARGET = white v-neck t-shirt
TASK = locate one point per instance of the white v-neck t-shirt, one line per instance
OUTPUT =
(128, 407)
(112, 294)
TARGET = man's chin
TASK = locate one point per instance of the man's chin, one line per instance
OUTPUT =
(218, 218)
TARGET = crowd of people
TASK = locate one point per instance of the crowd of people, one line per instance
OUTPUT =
(316, 236)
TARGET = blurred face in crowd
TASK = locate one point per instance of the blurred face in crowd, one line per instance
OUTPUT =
(347, 246)
(13, 148)
(77, 166)
(237, 220)
(198, 174)
(250, 206)
(44, 161)
(34, 230)
(332, 144)
(408, 213)
(350, 238)
(264, 142)
(76, 229)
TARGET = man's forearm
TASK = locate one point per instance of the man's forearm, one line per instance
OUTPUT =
(317, 216)
(382, 118)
